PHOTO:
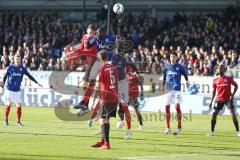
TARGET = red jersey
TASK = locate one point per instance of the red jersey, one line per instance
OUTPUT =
(90, 53)
(133, 85)
(223, 86)
(108, 79)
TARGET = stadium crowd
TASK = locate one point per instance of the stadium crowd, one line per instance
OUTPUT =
(201, 40)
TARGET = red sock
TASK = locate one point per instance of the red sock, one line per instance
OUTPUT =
(179, 115)
(128, 116)
(19, 114)
(95, 111)
(168, 116)
(7, 111)
(88, 93)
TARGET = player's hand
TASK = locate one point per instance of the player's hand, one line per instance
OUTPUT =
(40, 85)
(210, 106)
(187, 84)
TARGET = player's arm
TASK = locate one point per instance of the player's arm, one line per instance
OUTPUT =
(235, 89)
(140, 82)
(213, 94)
(185, 74)
(91, 42)
(4, 79)
(164, 78)
(32, 78)
(134, 67)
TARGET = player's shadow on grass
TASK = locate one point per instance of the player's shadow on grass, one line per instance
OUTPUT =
(192, 146)
(50, 156)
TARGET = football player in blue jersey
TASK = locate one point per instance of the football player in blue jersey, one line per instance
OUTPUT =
(172, 73)
(121, 63)
(12, 82)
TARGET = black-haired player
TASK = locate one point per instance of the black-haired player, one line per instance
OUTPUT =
(222, 87)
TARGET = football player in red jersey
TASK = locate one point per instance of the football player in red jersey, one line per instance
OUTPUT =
(134, 83)
(222, 86)
(108, 93)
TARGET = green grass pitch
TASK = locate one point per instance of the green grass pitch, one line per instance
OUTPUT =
(45, 137)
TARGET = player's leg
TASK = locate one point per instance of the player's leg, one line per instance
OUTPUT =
(127, 115)
(178, 101)
(8, 95)
(100, 142)
(120, 123)
(19, 114)
(217, 108)
(135, 104)
(90, 75)
(94, 114)
(106, 111)
(18, 102)
(169, 101)
(6, 113)
(234, 117)
(106, 130)
(179, 118)
(124, 99)
(123, 104)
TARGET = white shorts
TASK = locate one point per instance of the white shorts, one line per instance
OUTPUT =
(174, 97)
(94, 70)
(12, 97)
(123, 91)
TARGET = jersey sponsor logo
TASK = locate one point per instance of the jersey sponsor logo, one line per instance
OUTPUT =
(107, 46)
(171, 73)
(222, 85)
(16, 74)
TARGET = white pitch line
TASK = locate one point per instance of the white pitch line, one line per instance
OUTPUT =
(176, 155)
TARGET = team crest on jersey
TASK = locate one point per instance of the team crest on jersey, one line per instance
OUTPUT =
(177, 68)
(107, 40)
(20, 69)
(225, 81)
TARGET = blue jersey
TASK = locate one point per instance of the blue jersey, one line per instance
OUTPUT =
(121, 63)
(14, 77)
(172, 76)
(106, 42)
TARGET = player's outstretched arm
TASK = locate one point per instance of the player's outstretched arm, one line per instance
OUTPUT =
(32, 78)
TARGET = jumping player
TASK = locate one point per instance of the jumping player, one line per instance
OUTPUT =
(134, 84)
(12, 94)
(103, 41)
(172, 78)
(222, 86)
(108, 87)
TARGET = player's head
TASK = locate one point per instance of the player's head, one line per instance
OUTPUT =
(124, 47)
(129, 69)
(91, 29)
(17, 59)
(173, 58)
(221, 69)
(103, 55)
(100, 32)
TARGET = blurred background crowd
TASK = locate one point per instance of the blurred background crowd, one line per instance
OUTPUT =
(201, 40)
